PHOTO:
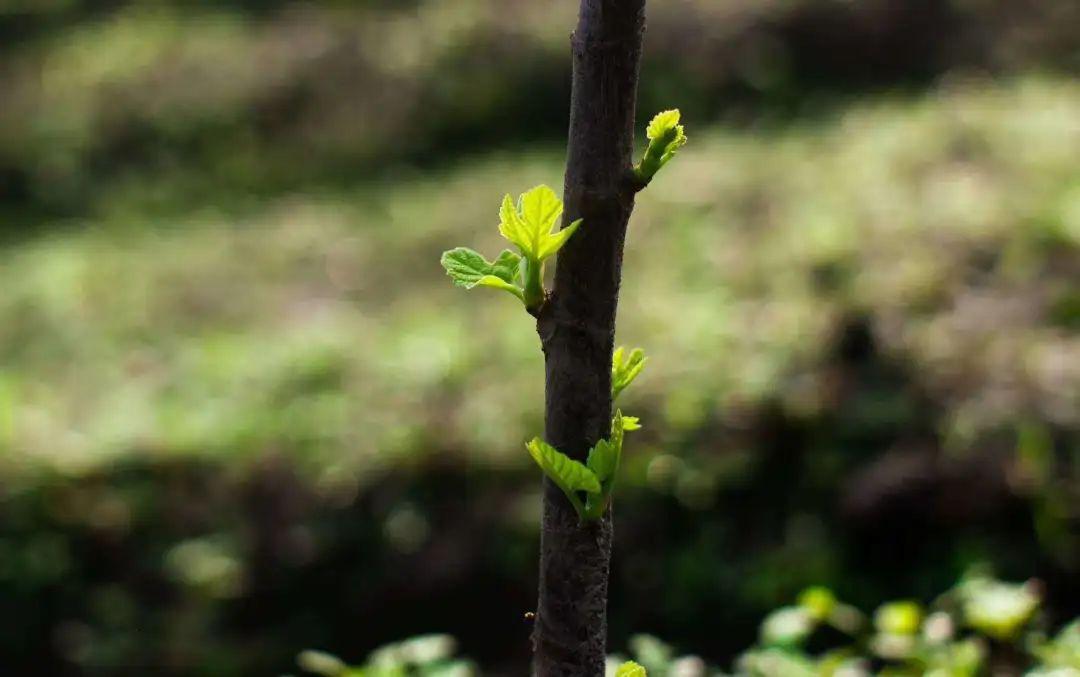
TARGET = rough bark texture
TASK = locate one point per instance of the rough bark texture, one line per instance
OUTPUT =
(577, 330)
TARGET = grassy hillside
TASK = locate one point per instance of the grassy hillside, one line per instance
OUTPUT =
(320, 323)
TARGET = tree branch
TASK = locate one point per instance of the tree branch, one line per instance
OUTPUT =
(577, 330)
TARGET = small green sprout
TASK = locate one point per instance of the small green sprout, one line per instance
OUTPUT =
(625, 368)
(666, 137)
(532, 226)
(596, 477)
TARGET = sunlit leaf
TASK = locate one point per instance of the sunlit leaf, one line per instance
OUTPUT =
(666, 136)
(532, 225)
(552, 243)
(662, 124)
(540, 209)
(512, 225)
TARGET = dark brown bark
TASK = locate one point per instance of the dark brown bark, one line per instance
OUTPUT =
(577, 330)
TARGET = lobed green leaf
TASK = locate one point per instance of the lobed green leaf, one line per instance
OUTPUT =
(512, 225)
(540, 209)
(552, 243)
(532, 225)
(662, 124)
(469, 269)
(630, 669)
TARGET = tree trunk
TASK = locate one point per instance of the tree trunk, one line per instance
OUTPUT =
(577, 330)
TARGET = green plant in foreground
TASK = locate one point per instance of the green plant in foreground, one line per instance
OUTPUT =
(966, 632)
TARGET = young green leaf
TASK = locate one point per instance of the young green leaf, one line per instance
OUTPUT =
(533, 224)
(625, 368)
(630, 669)
(603, 460)
(618, 427)
(570, 475)
(666, 136)
(469, 269)
(665, 127)
(512, 225)
(540, 208)
(561, 468)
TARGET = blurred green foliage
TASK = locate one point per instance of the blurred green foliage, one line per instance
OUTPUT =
(978, 627)
(240, 99)
(904, 641)
(204, 335)
(424, 656)
(232, 388)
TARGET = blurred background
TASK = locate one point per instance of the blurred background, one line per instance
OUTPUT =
(243, 412)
